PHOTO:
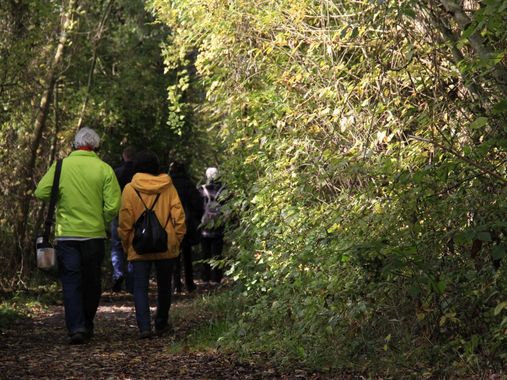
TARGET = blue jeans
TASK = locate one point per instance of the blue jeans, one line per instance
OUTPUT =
(118, 258)
(164, 270)
(80, 273)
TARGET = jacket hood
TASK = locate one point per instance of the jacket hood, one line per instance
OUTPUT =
(150, 184)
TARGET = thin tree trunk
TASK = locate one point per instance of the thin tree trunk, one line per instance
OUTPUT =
(96, 41)
(54, 145)
(40, 124)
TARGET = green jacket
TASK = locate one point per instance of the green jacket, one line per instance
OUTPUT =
(88, 198)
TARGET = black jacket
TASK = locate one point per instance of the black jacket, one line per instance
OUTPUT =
(124, 173)
(192, 204)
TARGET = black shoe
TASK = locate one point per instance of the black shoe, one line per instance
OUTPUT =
(191, 287)
(178, 287)
(77, 338)
(117, 284)
(88, 334)
(163, 330)
(145, 334)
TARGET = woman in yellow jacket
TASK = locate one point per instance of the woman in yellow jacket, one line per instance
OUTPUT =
(145, 186)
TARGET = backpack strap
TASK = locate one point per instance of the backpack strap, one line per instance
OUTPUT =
(167, 221)
(153, 205)
(156, 199)
(207, 194)
(144, 204)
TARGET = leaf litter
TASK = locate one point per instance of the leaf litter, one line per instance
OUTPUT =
(37, 347)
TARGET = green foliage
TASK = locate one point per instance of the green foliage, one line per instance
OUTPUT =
(210, 320)
(8, 314)
(22, 304)
(128, 100)
(111, 77)
(204, 338)
(364, 144)
(26, 47)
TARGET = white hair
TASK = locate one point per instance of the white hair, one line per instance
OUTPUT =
(211, 174)
(87, 137)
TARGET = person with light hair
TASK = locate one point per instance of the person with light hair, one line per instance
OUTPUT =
(88, 199)
(212, 226)
(211, 174)
(87, 138)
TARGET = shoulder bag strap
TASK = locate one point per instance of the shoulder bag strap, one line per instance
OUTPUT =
(218, 192)
(52, 201)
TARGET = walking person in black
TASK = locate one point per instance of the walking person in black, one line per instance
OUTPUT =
(192, 204)
(212, 227)
(124, 174)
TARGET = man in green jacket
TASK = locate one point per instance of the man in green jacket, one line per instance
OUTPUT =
(88, 198)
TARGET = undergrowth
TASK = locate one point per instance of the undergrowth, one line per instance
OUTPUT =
(19, 304)
(210, 317)
(375, 345)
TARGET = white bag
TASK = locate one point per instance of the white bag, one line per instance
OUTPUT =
(46, 255)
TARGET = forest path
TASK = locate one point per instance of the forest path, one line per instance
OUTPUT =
(37, 348)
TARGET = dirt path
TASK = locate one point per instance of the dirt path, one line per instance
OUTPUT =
(37, 348)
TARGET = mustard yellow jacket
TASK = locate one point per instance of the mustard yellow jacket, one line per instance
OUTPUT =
(168, 206)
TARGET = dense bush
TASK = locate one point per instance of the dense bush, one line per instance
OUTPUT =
(364, 143)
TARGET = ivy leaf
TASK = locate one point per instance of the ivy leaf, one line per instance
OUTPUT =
(499, 252)
(471, 29)
(409, 12)
(483, 236)
(441, 285)
(500, 307)
(479, 123)
(500, 107)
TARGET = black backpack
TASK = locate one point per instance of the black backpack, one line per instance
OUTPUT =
(149, 235)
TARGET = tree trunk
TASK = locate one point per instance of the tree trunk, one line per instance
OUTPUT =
(39, 126)
(96, 41)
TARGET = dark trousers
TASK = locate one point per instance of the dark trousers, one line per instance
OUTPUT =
(212, 249)
(80, 273)
(141, 270)
(186, 256)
